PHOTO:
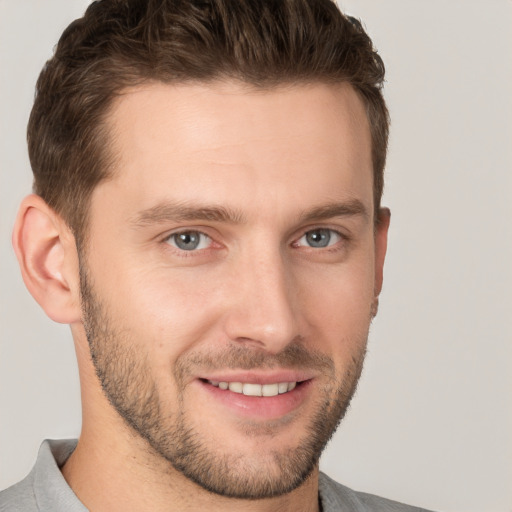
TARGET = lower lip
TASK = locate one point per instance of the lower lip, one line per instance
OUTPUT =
(257, 407)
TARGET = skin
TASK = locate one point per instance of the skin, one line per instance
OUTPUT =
(278, 160)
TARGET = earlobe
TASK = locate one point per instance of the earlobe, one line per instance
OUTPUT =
(381, 242)
(46, 253)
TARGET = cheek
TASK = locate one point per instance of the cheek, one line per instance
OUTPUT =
(169, 310)
(340, 293)
(336, 305)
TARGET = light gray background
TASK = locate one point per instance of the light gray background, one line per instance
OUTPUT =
(431, 423)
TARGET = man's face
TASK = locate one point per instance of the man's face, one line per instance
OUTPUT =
(234, 247)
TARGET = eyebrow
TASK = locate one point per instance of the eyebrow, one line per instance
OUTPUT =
(353, 207)
(179, 212)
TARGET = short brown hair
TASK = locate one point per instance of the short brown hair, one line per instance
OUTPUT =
(121, 43)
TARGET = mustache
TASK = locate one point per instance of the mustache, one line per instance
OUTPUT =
(240, 357)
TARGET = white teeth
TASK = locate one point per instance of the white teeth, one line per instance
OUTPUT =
(270, 389)
(236, 387)
(282, 387)
(250, 389)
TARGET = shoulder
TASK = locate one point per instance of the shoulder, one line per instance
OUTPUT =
(335, 497)
(19, 497)
(44, 489)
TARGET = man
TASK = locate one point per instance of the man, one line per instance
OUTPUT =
(207, 219)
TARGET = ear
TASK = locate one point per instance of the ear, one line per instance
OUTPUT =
(381, 244)
(46, 252)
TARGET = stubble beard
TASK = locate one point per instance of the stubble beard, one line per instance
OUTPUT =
(126, 379)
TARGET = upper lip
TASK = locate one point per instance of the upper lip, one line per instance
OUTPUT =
(259, 377)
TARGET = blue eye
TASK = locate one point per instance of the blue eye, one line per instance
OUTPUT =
(319, 238)
(189, 240)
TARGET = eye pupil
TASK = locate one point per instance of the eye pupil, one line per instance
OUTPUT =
(187, 241)
(319, 238)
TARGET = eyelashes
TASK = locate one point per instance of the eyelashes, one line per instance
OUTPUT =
(190, 241)
(319, 238)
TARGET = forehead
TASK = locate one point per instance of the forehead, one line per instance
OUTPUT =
(222, 141)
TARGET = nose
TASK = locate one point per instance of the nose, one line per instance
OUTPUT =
(263, 309)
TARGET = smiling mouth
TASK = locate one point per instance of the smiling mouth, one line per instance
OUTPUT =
(253, 389)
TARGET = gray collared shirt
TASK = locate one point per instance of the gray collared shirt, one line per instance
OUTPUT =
(46, 490)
